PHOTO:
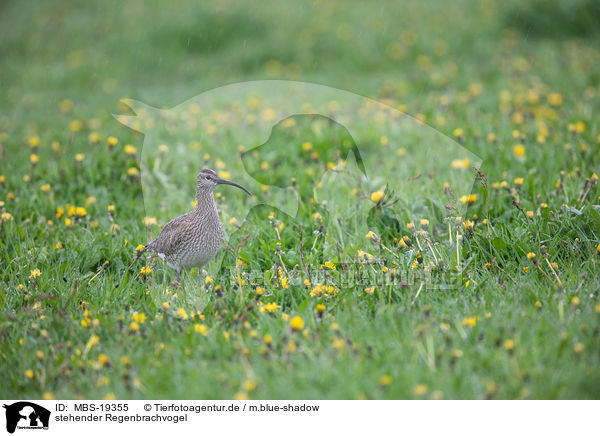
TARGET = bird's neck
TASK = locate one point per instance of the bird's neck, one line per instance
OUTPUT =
(205, 203)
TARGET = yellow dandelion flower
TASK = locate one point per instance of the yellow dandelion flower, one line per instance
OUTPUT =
(555, 99)
(79, 157)
(468, 199)
(297, 323)
(75, 125)
(181, 313)
(458, 164)
(509, 344)
(377, 196)
(385, 380)
(469, 321)
(519, 150)
(34, 158)
(33, 141)
(329, 265)
(112, 141)
(420, 389)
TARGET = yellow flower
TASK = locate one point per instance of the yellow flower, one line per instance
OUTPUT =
(181, 313)
(469, 322)
(33, 141)
(530, 255)
(297, 323)
(241, 396)
(458, 133)
(519, 150)
(58, 245)
(125, 361)
(146, 270)
(92, 342)
(132, 172)
(111, 141)
(460, 164)
(94, 137)
(307, 146)
(320, 308)
(29, 373)
(111, 208)
(578, 348)
(385, 380)
(80, 211)
(134, 326)
(34, 159)
(518, 181)
(200, 328)
(538, 304)
(79, 157)
(555, 99)
(130, 149)
(6, 217)
(363, 255)
(420, 390)
(468, 199)
(149, 220)
(509, 344)
(103, 359)
(166, 305)
(529, 214)
(329, 265)
(377, 196)
(45, 188)
(371, 236)
(47, 396)
(75, 126)
(139, 317)
(35, 273)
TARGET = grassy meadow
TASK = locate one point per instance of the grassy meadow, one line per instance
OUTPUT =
(425, 221)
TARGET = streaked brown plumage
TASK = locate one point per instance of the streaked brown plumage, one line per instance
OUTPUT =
(193, 239)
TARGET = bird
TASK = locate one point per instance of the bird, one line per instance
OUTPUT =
(193, 239)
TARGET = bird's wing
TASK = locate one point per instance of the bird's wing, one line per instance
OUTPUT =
(170, 237)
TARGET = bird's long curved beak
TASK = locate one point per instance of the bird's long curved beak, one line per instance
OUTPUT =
(227, 182)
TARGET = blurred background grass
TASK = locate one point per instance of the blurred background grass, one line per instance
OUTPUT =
(97, 52)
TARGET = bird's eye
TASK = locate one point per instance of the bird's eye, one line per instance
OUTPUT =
(207, 177)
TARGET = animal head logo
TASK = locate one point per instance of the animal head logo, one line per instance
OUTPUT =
(25, 414)
(369, 166)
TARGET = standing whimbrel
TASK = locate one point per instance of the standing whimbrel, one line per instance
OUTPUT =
(193, 239)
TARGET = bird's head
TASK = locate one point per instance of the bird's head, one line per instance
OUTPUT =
(209, 179)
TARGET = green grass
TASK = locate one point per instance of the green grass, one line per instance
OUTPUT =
(505, 329)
